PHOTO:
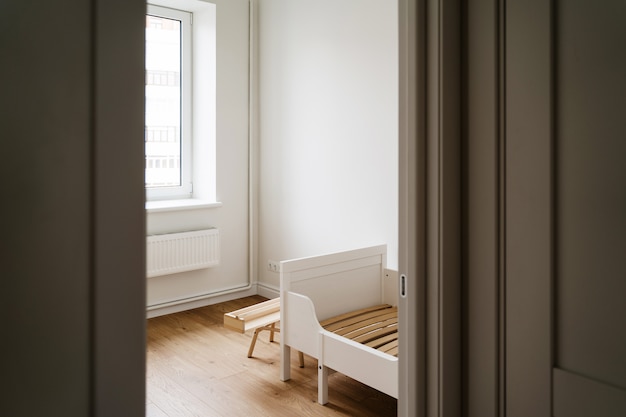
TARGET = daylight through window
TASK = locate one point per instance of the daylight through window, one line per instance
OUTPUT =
(167, 132)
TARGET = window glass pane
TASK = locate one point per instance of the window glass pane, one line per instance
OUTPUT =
(163, 101)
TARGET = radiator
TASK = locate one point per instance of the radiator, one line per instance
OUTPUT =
(178, 252)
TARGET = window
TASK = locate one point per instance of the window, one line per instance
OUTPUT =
(168, 117)
(181, 45)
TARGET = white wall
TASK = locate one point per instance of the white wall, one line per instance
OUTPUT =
(328, 128)
(232, 174)
(328, 140)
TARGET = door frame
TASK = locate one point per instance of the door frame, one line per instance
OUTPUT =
(507, 235)
(429, 208)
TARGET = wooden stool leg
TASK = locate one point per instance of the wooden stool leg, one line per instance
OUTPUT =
(256, 334)
(272, 330)
(301, 358)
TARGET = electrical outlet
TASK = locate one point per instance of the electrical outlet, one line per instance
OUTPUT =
(272, 266)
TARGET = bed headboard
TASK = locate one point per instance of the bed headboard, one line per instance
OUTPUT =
(339, 282)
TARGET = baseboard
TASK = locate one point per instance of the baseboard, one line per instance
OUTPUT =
(176, 306)
(267, 291)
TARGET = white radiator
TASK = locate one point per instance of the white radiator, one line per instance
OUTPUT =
(179, 252)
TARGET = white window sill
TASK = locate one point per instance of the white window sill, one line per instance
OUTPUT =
(179, 205)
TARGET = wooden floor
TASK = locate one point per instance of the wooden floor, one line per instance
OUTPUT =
(197, 368)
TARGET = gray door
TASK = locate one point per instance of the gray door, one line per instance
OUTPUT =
(554, 288)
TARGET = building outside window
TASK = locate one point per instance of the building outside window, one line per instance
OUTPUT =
(168, 135)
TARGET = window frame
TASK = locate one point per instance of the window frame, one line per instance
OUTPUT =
(185, 189)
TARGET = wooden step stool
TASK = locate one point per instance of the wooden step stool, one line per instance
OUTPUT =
(261, 316)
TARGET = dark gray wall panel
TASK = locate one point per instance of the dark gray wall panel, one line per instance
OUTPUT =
(528, 243)
(73, 234)
(480, 208)
(45, 113)
(591, 189)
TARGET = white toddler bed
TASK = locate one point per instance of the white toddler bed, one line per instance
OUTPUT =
(322, 289)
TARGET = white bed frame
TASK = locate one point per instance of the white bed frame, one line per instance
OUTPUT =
(317, 288)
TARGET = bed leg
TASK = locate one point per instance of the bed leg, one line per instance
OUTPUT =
(322, 384)
(285, 369)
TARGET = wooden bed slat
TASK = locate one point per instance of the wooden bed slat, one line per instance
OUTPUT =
(377, 334)
(393, 351)
(376, 327)
(360, 328)
(356, 318)
(391, 345)
(379, 342)
(345, 316)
